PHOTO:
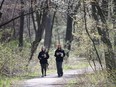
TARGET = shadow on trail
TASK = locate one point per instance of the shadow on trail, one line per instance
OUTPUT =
(29, 77)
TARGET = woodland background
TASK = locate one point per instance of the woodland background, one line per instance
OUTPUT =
(84, 28)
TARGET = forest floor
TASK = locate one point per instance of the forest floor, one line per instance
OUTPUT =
(52, 80)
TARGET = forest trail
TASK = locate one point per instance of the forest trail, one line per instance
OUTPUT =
(53, 80)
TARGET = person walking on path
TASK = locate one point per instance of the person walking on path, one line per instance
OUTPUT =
(43, 57)
(59, 54)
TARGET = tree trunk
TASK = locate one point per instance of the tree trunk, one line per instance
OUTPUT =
(48, 31)
(69, 37)
(21, 25)
(104, 7)
(13, 23)
(109, 54)
(39, 32)
(114, 26)
(28, 27)
(86, 28)
(70, 24)
(104, 33)
(1, 7)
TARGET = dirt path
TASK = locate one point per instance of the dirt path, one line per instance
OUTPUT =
(53, 80)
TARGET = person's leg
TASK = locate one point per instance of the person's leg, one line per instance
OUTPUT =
(42, 70)
(45, 68)
(47, 64)
(58, 69)
(61, 69)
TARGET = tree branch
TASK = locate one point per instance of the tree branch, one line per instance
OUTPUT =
(2, 4)
(15, 19)
(85, 20)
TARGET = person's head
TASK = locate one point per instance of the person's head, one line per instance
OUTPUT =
(59, 47)
(43, 49)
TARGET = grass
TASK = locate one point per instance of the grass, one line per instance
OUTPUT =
(97, 79)
(78, 65)
(36, 70)
(7, 81)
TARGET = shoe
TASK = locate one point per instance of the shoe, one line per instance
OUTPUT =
(42, 76)
(61, 75)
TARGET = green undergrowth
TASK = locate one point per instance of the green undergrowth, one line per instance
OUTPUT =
(78, 65)
(96, 79)
(12, 63)
(6, 81)
(51, 71)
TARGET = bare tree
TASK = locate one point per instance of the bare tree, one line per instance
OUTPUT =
(21, 24)
(48, 30)
(41, 22)
(104, 33)
(72, 10)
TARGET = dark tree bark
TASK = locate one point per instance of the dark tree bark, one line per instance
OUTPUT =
(1, 7)
(104, 8)
(69, 37)
(13, 23)
(109, 54)
(39, 32)
(48, 31)
(2, 4)
(42, 19)
(69, 29)
(41, 22)
(32, 16)
(114, 14)
(3, 24)
(75, 13)
(28, 27)
(21, 24)
(103, 32)
(114, 26)
(86, 28)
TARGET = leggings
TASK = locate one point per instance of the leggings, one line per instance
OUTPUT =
(43, 69)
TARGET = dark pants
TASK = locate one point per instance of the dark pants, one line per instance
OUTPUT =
(59, 68)
(43, 69)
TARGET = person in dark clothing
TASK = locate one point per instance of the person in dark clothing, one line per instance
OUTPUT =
(43, 56)
(59, 54)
